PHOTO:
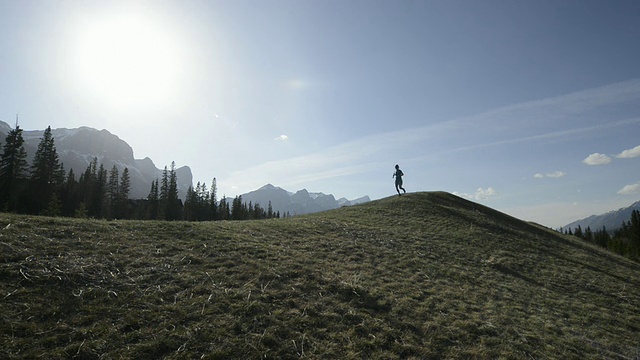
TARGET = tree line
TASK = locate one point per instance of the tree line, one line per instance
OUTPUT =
(624, 241)
(45, 188)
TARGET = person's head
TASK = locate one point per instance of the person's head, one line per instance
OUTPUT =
(397, 167)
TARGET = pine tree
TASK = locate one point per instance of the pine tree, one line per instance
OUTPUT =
(153, 199)
(13, 170)
(578, 232)
(46, 173)
(163, 199)
(635, 233)
(113, 190)
(190, 204)
(70, 195)
(173, 202)
(213, 199)
(99, 195)
(123, 195)
(223, 209)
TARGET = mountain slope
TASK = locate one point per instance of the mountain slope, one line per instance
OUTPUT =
(298, 203)
(426, 275)
(78, 147)
(611, 220)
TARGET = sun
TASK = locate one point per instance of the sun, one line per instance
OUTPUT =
(128, 61)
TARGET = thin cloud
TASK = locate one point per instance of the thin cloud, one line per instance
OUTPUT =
(480, 194)
(282, 138)
(630, 189)
(555, 174)
(631, 153)
(363, 154)
(597, 159)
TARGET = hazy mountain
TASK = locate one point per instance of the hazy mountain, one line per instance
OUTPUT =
(300, 202)
(77, 148)
(360, 200)
(611, 220)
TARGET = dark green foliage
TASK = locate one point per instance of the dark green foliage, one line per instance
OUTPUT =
(625, 241)
(13, 170)
(169, 203)
(47, 174)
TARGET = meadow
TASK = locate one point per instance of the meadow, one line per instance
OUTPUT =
(421, 276)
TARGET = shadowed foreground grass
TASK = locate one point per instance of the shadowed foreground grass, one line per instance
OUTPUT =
(426, 275)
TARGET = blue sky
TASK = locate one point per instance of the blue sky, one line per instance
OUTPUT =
(530, 107)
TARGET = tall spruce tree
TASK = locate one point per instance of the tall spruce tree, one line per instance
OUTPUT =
(46, 173)
(163, 199)
(173, 202)
(99, 194)
(213, 199)
(13, 170)
(70, 195)
(123, 194)
(113, 191)
(153, 200)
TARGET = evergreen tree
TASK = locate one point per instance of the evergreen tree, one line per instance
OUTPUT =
(578, 232)
(635, 233)
(213, 199)
(224, 212)
(123, 195)
(173, 202)
(46, 173)
(204, 210)
(99, 195)
(113, 191)
(13, 170)
(164, 194)
(236, 209)
(87, 185)
(153, 199)
(190, 204)
(588, 235)
(70, 195)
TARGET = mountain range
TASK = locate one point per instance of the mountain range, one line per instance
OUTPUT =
(78, 147)
(611, 220)
(298, 203)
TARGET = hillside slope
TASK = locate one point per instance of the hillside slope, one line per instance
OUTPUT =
(426, 275)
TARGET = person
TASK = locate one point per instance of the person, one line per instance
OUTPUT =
(398, 174)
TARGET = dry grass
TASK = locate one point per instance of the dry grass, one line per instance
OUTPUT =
(426, 276)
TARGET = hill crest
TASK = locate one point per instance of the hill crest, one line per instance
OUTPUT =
(426, 275)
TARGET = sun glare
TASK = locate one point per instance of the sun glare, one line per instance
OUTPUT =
(128, 61)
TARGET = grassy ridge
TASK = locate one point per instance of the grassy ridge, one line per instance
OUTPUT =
(426, 275)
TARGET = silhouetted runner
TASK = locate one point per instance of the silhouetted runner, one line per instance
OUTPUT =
(398, 175)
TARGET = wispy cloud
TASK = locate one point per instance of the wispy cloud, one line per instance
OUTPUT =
(630, 189)
(504, 126)
(597, 159)
(282, 138)
(480, 194)
(631, 153)
(555, 174)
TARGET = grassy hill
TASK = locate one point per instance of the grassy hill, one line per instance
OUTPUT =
(426, 275)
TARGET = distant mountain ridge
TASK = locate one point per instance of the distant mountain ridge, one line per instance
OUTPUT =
(612, 220)
(78, 147)
(298, 203)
